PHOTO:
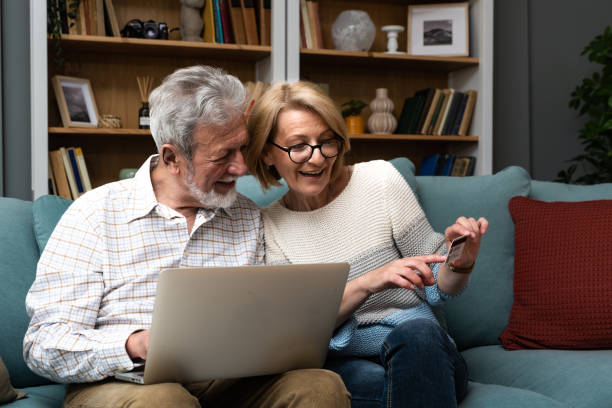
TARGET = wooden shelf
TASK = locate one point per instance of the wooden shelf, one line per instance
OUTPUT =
(420, 138)
(140, 46)
(381, 59)
(98, 131)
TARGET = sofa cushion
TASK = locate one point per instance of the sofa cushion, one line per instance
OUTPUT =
(7, 392)
(43, 396)
(46, 212)
(481, 395)
(481, 313)
(580, 378)
(17, 272)
(550, 191)
(562, 275)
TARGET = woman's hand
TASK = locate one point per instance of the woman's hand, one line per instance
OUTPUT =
(474, 229)
(405, 273)
(402, 273)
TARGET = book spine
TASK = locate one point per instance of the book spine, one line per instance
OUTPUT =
(218, 27)
(75, 170)
(306, 23)
(250, 22)
(82, 168)
(432, 108)
(69, 175)
(237, 21)
(317, 24)
(226, 24)
(469, 110)
(59, 173)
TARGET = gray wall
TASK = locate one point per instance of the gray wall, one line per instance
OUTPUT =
(537, 65)
(16, 99)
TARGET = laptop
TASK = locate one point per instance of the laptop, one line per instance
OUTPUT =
(230, 322)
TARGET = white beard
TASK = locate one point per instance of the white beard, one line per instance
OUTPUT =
(210, 199)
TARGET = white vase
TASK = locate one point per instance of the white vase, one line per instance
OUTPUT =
(382, 119)
(353, 30)
(392, 34)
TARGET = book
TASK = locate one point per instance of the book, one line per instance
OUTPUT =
(452, 113)
(59, 174)
(52, 184)
(403, 123)
(306, 23)
(311, 22)
(208, 18)
(75, 170)
(430, 111)
(250, 22)
(318, 33)
(82, 18)
(86, 17)
(429, 165)
(83, 168)
(421, 97)
(466, 121)
(218, 28)
(471, 166)
(443, 112)
(235, 11)
(429, 93)
(112, 18)
(265, 21)
(303, 43)
(99, 17)
(226, 22)
(460, 111)
(436, 113)
(74, 192)
(460, 166)
(445, 164)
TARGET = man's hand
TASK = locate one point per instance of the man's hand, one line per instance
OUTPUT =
(138, 344)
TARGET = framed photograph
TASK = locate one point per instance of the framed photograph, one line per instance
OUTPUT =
(439, 29)
(75, 100)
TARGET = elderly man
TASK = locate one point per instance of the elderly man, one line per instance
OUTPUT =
(91, 304)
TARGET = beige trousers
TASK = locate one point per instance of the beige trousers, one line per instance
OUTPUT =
(299, 388)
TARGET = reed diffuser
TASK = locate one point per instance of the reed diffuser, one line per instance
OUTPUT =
(144, 86)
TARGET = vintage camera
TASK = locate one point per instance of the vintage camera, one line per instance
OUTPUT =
(149, 29)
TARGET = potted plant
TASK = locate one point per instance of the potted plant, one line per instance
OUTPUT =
(351, 112)
(55, 10)
(594, 98)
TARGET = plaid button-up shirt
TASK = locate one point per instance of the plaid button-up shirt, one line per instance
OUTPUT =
(97, 276)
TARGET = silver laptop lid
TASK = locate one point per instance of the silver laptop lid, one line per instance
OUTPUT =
(228, 322)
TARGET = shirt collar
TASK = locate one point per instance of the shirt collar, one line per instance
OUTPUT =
(144, 198)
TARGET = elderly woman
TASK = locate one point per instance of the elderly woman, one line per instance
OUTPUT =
(388, 346)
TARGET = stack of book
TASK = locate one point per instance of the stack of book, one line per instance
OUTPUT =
(447, 165)
(68, 175)
(310, 25)
(237, 21)
(434, 111)
(90, 17)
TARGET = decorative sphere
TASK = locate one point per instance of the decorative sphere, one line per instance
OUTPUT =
(353, 30)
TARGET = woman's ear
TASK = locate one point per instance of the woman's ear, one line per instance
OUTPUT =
(266, 156)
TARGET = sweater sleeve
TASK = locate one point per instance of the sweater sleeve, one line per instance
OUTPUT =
(412, 232)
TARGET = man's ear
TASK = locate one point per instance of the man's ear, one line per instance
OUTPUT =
(170, 157)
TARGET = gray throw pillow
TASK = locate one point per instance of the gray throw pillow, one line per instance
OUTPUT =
(7, 392)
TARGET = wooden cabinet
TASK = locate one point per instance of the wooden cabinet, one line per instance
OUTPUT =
(356, 75)
(112, 64)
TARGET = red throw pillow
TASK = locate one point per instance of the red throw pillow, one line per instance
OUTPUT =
(562, 275)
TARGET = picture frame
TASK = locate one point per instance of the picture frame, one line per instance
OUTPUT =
(75, 101)
(439, 30)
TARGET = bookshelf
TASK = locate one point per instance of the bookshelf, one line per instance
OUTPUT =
(112, 64)
(356, 75)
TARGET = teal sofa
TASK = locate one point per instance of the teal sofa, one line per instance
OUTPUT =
(498, 378)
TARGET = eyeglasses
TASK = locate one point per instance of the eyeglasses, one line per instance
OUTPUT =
(301, 153)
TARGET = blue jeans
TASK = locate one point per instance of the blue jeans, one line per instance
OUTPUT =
(418, 366)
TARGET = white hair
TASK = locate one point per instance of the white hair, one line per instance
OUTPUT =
(191, 97)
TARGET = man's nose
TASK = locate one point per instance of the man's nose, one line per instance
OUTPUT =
(238, 165)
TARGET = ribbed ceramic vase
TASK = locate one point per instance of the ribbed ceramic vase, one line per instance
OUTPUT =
(382, 120)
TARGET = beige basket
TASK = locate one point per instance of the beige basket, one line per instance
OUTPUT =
(109, 121)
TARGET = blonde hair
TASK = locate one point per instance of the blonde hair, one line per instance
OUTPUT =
(263, 120)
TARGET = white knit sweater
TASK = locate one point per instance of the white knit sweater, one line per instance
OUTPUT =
(373, 221)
